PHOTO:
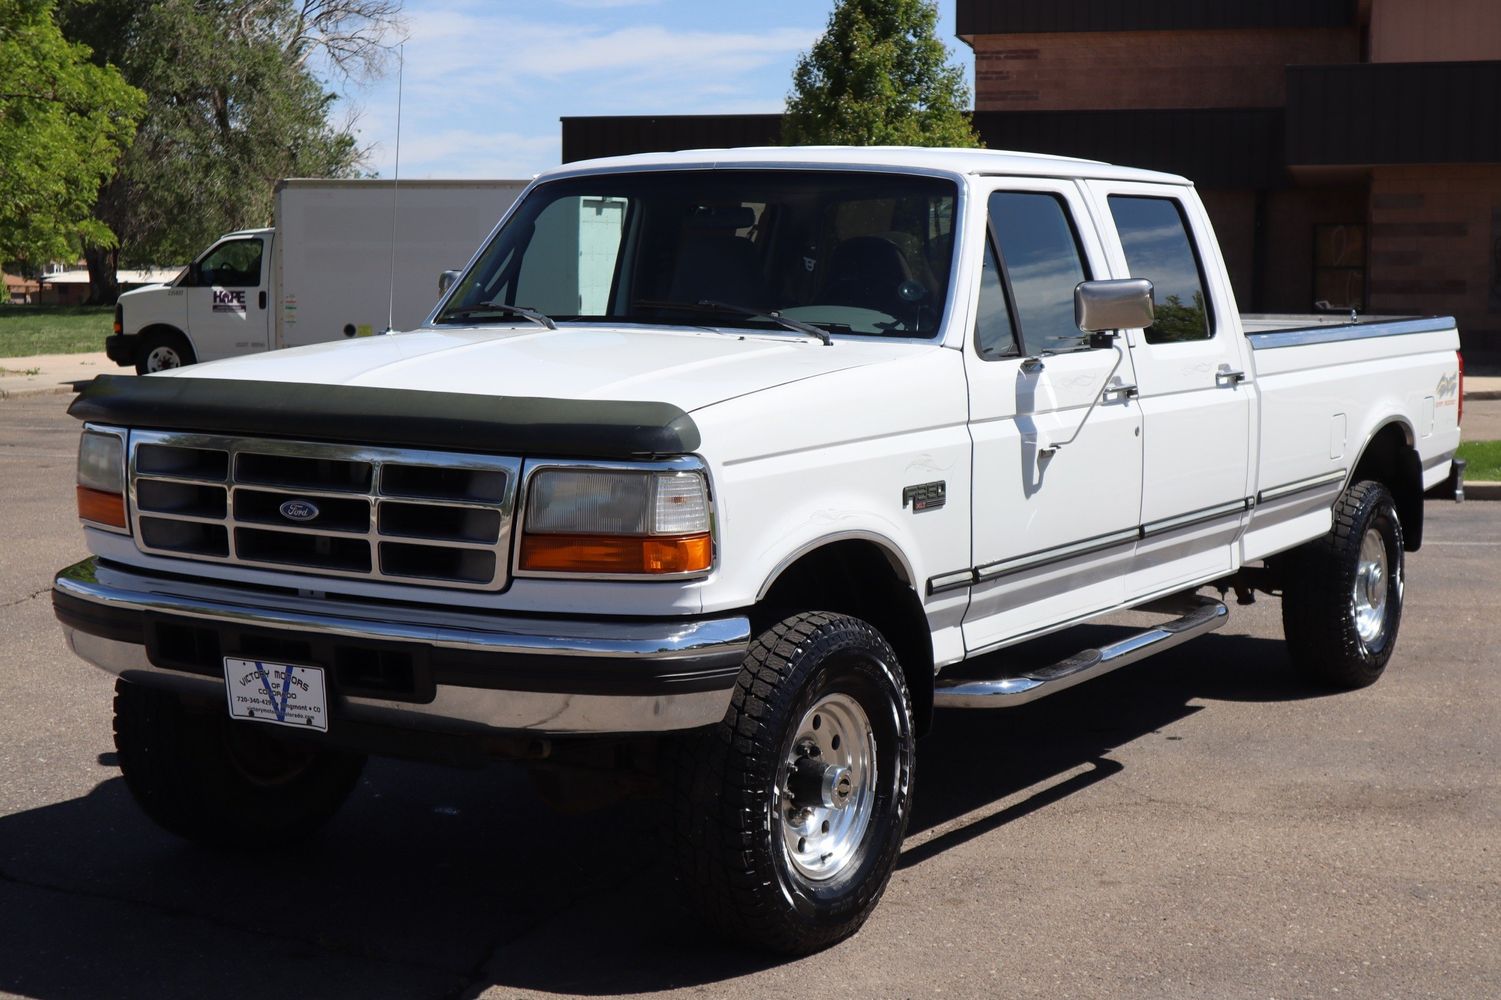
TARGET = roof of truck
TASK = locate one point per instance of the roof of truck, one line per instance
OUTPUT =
(957, 161)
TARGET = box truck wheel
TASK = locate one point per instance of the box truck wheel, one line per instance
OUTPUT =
(162, 349)
(789, 815)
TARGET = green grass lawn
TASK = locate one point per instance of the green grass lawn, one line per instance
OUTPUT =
(1485, 461)
(27, 330)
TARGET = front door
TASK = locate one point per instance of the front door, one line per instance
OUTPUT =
(227, 314)
(1195, 400)
(1057, 435)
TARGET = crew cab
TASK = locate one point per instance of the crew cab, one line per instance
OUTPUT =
(724, 470)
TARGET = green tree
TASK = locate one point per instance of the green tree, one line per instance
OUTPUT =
(879, 76)
(63, 123)
(232, 107)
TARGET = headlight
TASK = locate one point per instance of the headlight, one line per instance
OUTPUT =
(101, 478)
(617, 522)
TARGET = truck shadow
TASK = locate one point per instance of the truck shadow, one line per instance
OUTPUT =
(435, 883)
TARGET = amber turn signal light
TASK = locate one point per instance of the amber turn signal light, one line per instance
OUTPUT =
(669, 554)
(101, 507)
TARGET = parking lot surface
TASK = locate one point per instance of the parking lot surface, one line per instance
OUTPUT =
(1201, 825)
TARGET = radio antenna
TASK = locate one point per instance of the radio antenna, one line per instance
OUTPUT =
(401, 63)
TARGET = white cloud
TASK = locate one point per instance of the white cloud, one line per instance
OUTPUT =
(467, 153)
(608, 4)
(483, 88)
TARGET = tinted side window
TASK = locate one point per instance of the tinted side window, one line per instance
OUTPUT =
(236, 264)
(1154, 235)
(1043, 264)
(994, 337)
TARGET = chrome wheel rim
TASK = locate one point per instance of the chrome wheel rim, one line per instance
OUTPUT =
(825, 791)
(162, 358)
(1372, 585)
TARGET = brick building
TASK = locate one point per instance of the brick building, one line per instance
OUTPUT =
(1349, 151)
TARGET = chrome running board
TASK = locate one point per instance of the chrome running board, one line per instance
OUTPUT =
(1199, 615)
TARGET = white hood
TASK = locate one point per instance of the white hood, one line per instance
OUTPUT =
(690, 368)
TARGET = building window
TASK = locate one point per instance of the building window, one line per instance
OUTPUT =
(1339, 267)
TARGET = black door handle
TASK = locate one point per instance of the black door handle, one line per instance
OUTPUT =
(263, 299)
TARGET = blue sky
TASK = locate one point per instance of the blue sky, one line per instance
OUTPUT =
(486, 82)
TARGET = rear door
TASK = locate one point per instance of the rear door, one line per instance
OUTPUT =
(1057, 446)
(227, 301)
(1193, 386)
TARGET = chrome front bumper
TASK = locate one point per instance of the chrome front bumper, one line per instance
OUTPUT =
(474, 672)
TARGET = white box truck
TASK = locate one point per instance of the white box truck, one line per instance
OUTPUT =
(327, 270)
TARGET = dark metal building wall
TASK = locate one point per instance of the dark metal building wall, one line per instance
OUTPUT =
(1222, 148)
(588, 138)
(1238, 147)
(1012, 17)
(1440, 112)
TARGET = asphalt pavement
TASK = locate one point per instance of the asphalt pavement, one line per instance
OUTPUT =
(1202, 825)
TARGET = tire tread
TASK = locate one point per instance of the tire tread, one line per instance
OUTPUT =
(718, 793)
(1316, 616)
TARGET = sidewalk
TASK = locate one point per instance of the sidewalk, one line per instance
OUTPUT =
(1483, 387)
(45, 374)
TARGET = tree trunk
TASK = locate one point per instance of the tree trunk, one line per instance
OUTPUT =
(103, 288)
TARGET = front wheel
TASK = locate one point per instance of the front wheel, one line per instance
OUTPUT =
(790, 814)
(162, 351)
(1342, 602)
(220, 782)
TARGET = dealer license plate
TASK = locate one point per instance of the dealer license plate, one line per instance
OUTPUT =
(284, 694)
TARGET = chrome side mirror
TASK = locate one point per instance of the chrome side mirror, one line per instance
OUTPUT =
(446, 280)
(1116, 304)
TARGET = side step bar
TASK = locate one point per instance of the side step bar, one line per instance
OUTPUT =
(1203, 614)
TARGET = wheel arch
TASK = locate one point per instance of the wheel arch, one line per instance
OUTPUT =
(864, 575)
(152, 329)
(1390, 457)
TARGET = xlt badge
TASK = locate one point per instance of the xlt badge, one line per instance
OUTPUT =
(925, 496)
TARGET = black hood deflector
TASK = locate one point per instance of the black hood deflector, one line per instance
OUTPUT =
(411, 418)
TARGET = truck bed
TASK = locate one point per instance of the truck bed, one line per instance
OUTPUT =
(1258, 323)
(1327, 388)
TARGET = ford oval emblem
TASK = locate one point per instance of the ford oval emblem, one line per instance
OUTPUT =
(299, 510)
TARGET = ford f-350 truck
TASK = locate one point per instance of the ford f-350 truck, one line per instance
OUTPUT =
(725, 469)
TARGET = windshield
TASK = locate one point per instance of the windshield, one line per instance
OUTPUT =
(861, 253)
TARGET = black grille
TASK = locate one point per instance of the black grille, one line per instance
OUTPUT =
(419, 517)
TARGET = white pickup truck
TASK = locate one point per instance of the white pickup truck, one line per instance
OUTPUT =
(723, 470)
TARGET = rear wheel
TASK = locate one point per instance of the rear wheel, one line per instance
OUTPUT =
(162, 350)
(210, 779)
(1342, 602)
(790, 814)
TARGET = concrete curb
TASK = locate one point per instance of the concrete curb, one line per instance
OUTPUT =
(1484, 394)
(52, 374)
(41, 390)
(1483, 491)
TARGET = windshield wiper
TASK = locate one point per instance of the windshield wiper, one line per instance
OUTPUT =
(500, 307)
(797, 326)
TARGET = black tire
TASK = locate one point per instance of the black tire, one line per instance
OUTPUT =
(733, 826)
(223, 783)
(1340, 620)
(161, 350)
